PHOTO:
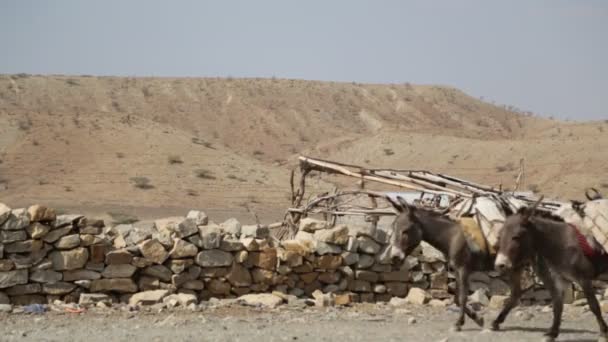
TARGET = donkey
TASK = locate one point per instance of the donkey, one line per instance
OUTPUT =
(414, 225)
(567, 254)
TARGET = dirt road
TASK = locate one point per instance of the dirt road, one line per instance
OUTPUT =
(363, 322)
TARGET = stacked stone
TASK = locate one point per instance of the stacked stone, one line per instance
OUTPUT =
(44, 257)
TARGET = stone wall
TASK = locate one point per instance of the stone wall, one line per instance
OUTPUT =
(45, 257)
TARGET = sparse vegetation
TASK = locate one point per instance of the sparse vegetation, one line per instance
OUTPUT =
(24, 125)
(231, 176)
(122, 218)
(258, 153)
(142, 182)
(603, 185)
(120, 155)
(389, 151)
(175, 159)
(204, 174)
(506, 168)
(68, 189)
(202, 142)
(191, 192)
(72, 82)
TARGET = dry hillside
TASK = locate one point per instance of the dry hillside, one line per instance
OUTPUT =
(227, 144)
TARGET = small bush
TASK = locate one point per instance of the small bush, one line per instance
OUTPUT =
(120, 155)
(236, 178)
(507, 167)
(204, 174)
(24, 125)
(603, 185)
(389, 151)
(173, 159)
(68, 189)
(191, 192)
(72, 82)
(202, 142)
(142, 183)
(122, 218)
(258, 153)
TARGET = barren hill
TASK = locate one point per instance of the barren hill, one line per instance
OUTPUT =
(227, 144)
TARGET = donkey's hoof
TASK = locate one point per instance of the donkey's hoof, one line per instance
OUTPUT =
(495, 326)
(480, 321)
(456, 328)
(548, 338)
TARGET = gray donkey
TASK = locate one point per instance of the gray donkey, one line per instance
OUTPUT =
(568, 255)
(414, 225)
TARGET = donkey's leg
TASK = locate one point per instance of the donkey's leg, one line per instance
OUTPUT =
(555, 285)
(461, 297)
(515, 284)
(595, 307)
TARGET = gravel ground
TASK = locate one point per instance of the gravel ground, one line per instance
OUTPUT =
(361, 322)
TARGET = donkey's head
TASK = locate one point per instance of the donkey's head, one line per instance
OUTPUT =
(406, 230)
(515, 243)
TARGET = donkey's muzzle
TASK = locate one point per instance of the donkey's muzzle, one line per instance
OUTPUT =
(502, 263)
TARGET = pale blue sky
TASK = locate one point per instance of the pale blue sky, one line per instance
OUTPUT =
(548, 56)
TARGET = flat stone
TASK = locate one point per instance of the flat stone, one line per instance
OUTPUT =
(183, 299)
(17, 219)
(402, 276)
(178, 279)
(262, 299)
(69, 260)
(397, 289)
(218, 287)
(154, 251)
(498, 302)
(87, 299)
(56, 234)
(58, 288)
(182, 249)
(289, 258)
(68, 242)
(430, 254)
(368, 245)
(232, 227)
(322, 248)
(118, 271)
(91, 230)
(148, 297)
(158, 271)
(214, 258)
(148, 283)
(255, 231)
(231, 245)
(253, 244)
(8, 236)
(39, 213)
(329, 277)
(337, 235)
(185, 228)
(366, 275)
(28, 299)
(24, 289)
(179, 265)
(5, 212)
(328, 262)
(80, 275)
(66, 220)
(199, 217)
(367, 230)
(46, 276)
(261, 276)
(88, 240)
(239, 276)
(121, 256)
(196, 285)
(27, 246)
(123, 285)
(360, 286)
(140, 262)
(417, 296)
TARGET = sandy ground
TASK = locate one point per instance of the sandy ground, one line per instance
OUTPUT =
(362, 322)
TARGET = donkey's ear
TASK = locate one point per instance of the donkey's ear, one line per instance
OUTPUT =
(395, 204)
(530, 211)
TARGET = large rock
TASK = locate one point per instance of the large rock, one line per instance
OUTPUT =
(55, 234)
(8, 236)
(182, 249)
(28, 246)
(122, 285)
(368, 245)
(214, 258)
(179, 265)
(46, 276)
(12, 278)
(69, 260)
(148, 297)
(239, 276)
(17, 219)
(58, 288)
(211, 236)
(430, 254)
(417, 296)
(118, 271)
(66, 220)
(263, 299)
(37, 230)
(397, 289)
(183, 299)
(402, 276)
(232, 227)
(308, 224)
(76, 275)
(154, 251)
(199, 217)
(120, 256)
(19, 290)
(219, 287)
(328, 262)
(480, 296)
(229, 244)
(6, 265)
(365, 261)
(266, 259)
(366, 275)
(185, 228)
(68, 242)
(302, 247)
(39, 213)
(158, 271)
(337, 235)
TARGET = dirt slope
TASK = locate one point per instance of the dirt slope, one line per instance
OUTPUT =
(225, 144)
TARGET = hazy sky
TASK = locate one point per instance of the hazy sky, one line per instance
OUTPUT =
(548, 56)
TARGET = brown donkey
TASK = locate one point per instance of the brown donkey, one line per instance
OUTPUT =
(567, 254)
(414, 225)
